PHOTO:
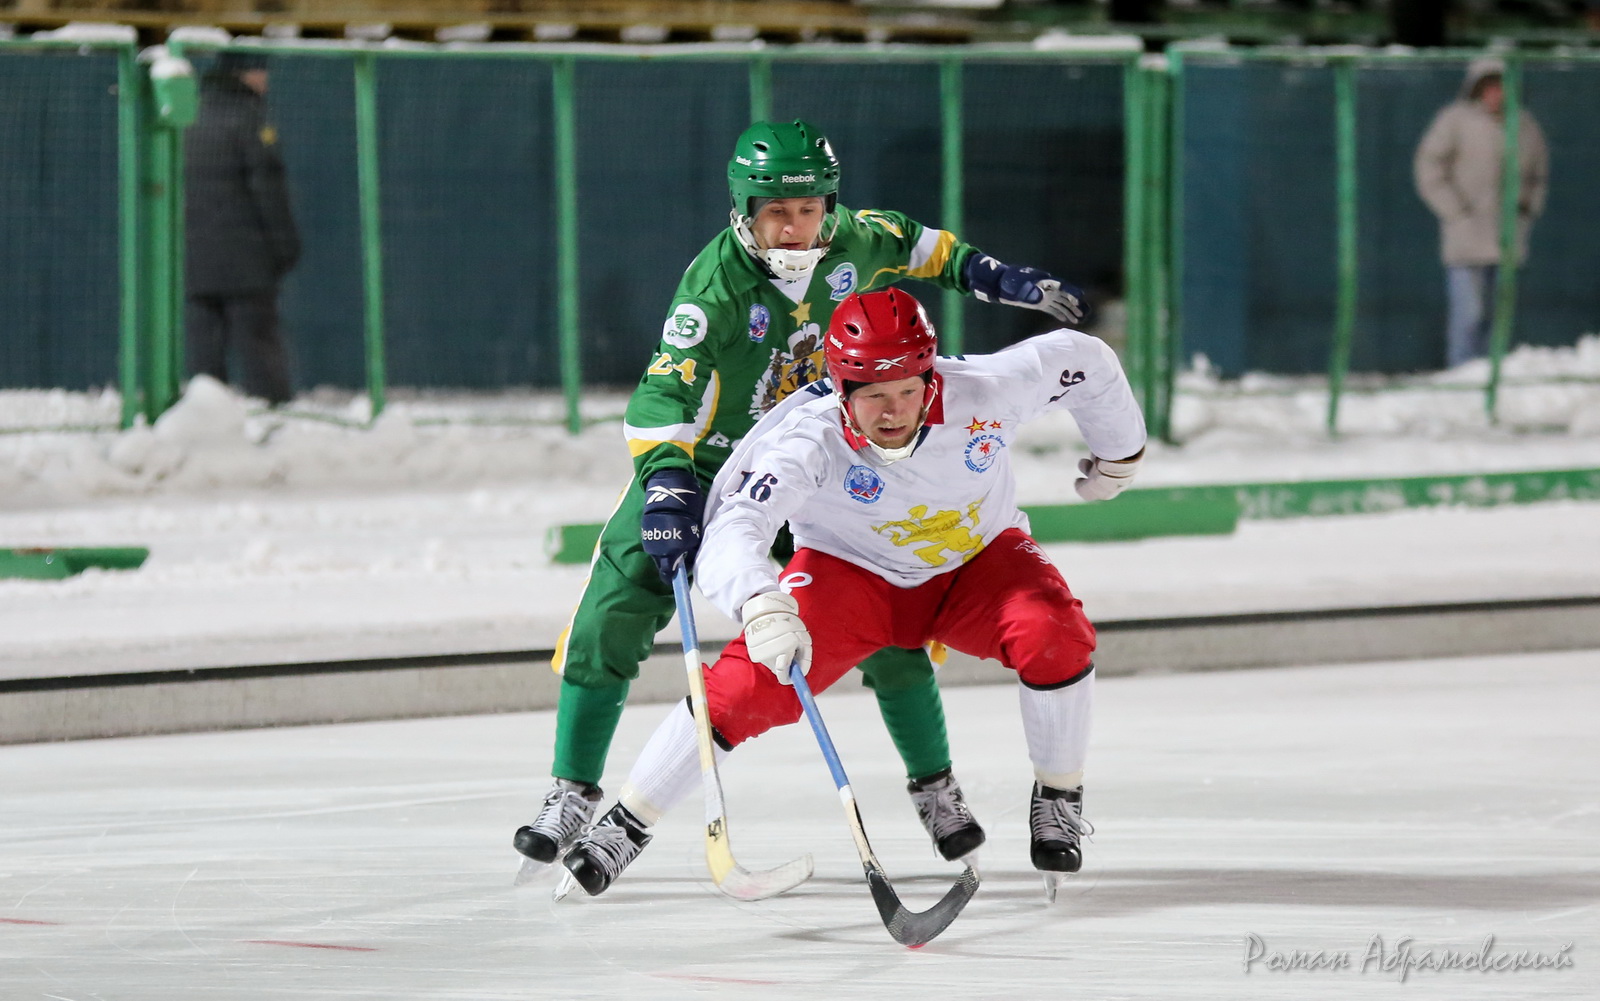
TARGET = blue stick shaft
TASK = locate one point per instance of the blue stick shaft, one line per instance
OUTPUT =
(814, 717)
(680, 591)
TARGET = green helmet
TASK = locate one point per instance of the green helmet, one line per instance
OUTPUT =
(781, 160)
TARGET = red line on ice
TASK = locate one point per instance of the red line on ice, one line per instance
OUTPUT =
(25, 921)
(310, 945)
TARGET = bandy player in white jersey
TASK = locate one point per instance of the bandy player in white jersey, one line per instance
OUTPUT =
(898, 488)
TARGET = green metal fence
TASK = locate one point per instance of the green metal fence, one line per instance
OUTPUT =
(1296, 182)
(492, 216)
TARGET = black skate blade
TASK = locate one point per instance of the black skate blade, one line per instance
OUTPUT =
(917, 928)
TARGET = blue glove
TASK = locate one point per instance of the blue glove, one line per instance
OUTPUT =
(670, 527)
(993, 281)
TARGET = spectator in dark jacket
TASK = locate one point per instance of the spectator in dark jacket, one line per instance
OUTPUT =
(241, 233)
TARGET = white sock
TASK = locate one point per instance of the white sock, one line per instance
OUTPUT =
(1056, 723)
(668, 768)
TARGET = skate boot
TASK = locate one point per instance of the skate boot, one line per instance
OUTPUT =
(1055, 819)
(945, 815)
(568, 808)
(598, 858)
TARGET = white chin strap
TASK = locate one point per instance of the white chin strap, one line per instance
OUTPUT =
(895, 454)
(783, 263)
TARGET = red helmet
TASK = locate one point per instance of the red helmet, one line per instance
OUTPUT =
(879, 337)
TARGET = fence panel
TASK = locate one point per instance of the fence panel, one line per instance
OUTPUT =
(653, 144)
(1258, 266)
(60, 288)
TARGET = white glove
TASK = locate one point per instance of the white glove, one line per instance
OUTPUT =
(774, 633)
(1062, 301)
(1103, 479)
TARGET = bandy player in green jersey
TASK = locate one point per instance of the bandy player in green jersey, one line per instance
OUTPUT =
(744, 331)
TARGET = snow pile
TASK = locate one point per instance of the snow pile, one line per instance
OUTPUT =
(1542, 390)
(64, 448)
(215, 439)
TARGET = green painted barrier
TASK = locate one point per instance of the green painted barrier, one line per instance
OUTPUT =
(1136, 514)
(571, 543)
(1323, 497)
(1216, 509)
(57, 564)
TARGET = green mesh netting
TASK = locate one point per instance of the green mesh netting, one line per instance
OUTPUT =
(1259, 230)
(59, 260)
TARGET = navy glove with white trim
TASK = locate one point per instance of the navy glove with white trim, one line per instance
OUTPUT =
(995, 281)
(670, 526)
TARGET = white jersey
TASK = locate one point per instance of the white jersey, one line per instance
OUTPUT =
(927, 514)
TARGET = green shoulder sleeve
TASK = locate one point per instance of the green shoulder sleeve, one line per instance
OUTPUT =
(675, 403)
(905, 248)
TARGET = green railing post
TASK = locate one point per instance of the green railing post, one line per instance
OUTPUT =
(952, 337)
(162, 184)
(1174, 242)
(1344, 88)
(760, 88)
(1158, 97)
(1505, 294)
(566, 151)
(1135, 208)
(368, 195)
(130, 380)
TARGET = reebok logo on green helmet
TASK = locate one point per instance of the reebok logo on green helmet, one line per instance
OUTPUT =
(782, 160)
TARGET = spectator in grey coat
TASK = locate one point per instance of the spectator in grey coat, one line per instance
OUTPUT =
(1458, 170)
(241, 237)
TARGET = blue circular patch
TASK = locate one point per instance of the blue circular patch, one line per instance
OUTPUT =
(760, 320)
(863, 484)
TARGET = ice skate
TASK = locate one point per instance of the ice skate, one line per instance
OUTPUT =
(946, 817)
(598, 857)
(568, 808)
(1055, 820)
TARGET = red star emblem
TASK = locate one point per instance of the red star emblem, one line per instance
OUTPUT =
(977, 425)
(994, 425)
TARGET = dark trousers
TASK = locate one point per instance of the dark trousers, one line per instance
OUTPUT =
(248, 325)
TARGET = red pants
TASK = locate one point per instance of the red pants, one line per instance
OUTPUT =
(1009, 603)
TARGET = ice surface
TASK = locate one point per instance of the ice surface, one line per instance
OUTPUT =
(1315, 808)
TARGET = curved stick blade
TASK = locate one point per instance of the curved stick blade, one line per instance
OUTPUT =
(742, 884)
(914, 928)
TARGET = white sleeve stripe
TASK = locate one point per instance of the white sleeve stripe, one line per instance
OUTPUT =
(927, 243)
(674, 432)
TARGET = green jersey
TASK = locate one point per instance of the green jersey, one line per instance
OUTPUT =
(737, 340)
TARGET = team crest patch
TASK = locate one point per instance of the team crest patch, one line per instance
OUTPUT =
(686, 327)
(983, 450)
(760, 320)
(842, 280)
(863, 484)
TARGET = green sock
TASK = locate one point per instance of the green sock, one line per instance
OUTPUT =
(586, 720)
(913, 712)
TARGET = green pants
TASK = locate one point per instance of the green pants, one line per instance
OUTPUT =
(625, 604)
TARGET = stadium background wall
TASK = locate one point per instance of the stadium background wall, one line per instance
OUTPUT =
(469, 211)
